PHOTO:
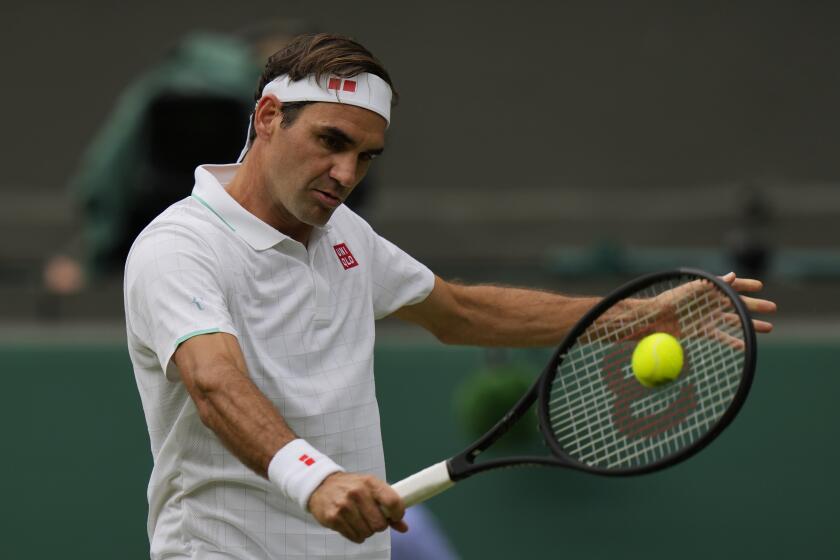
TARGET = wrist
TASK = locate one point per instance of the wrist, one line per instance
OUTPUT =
(298, 469)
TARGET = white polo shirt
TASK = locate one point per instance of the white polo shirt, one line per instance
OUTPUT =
(304, 318)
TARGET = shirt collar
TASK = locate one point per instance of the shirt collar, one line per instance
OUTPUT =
(209, 190)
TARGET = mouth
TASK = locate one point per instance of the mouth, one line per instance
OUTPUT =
(327, 199)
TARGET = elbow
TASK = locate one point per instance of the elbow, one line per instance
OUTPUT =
(204, 405)
(205, 408)
(454, 331)
(445, 337)
(205, 389)
(447, 314)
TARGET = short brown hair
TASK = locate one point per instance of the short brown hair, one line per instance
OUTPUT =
(318, 54)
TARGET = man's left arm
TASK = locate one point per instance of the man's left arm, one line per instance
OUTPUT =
(515, 317)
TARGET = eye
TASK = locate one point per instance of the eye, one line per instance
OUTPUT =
(331, 142)
(367, 156)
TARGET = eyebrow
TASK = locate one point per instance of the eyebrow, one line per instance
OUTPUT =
(344, 137)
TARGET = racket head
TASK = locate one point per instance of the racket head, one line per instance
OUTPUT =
(596, 417)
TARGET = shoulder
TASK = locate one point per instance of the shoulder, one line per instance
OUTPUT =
(348, 224)
(349, 227)
(183, 228)
(345, 219)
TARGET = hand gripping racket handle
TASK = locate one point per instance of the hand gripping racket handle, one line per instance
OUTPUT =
(421, 486)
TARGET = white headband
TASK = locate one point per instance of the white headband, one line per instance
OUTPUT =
(368, 91)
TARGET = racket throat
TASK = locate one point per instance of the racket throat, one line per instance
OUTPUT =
(463, 465)
(462, 462)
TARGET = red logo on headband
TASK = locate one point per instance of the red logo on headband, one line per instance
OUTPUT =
(340, 84)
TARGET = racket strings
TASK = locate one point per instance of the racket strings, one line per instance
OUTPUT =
(617, 418)
(603, 417)
(585, 359)
(578, 395)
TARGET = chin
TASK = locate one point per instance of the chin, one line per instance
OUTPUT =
(319, 218)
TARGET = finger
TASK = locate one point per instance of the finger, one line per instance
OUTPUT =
(729, 321)
(725, 328)
(357, 529)
(762, 326)
(742, 284)
(716, 336)
(370, 510)
(734, 320)
(390, 502)
(747, 285)
(728, 340)
(399, 526)
(759, 305)
(354, 517)
(347, 531)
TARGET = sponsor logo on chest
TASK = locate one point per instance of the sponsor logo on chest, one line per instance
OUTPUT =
(345, 257)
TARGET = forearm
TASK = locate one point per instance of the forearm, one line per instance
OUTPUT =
(496, 315)
(214, 373)
(246, 422)
(502, 316)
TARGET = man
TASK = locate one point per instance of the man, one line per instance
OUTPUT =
(250, 310)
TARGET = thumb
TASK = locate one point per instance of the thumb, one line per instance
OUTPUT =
(400, 526)
(390, 503)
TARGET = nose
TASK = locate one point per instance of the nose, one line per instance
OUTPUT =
(344, 170)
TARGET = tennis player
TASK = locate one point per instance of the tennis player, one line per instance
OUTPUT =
(250, 310)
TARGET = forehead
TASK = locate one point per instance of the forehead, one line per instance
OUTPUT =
(360, 123)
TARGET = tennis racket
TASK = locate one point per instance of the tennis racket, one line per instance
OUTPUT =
(594, 414)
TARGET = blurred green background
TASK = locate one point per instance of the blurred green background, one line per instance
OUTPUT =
(78, 462)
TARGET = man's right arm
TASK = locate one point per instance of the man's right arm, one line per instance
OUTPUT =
(214, 373)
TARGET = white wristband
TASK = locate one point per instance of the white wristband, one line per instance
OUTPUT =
(298, 469)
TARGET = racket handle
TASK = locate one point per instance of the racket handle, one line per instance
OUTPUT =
(421, 486)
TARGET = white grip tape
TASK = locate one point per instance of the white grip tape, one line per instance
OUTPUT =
(421, 486)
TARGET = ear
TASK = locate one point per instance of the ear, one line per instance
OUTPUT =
(267, 116)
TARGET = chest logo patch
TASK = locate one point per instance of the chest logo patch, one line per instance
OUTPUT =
(345, 256)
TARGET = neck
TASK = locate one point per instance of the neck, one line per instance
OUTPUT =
(251, 189)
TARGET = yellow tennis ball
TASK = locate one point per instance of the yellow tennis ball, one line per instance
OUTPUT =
(657, 359)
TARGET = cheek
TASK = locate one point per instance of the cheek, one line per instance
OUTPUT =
(317, 169)
(292, 170)
(300, 164)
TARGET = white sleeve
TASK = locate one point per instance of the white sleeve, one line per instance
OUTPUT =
(398, 279)
(173, 292)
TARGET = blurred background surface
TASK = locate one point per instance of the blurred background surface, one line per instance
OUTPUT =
(566, 145)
